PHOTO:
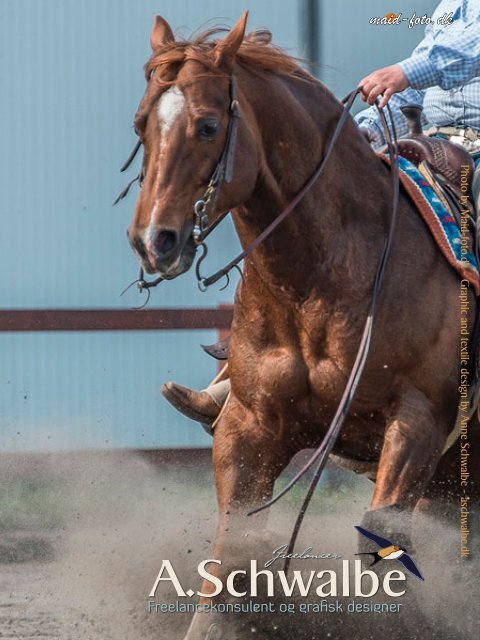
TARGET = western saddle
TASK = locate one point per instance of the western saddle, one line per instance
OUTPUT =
(444, 160)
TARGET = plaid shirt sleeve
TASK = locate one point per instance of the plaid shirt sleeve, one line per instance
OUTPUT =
(369, 118)
(447, 57)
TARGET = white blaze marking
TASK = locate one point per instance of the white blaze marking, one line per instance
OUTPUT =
(149, 233)
(170, 106)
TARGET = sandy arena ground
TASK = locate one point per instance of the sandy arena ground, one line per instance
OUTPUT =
(82, 538)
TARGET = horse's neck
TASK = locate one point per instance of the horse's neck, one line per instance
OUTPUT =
(337, 228)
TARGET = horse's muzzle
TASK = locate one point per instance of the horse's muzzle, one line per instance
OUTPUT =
(167, 253)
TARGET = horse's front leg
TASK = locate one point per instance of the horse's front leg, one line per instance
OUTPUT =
(247, 459)
(413, 444)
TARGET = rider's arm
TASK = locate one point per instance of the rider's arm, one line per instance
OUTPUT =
(370, 119)
(448, 58)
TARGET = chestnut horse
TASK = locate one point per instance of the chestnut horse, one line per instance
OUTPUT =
(301, 307)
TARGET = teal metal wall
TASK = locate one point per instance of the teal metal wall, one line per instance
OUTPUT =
(71, 79)
(350, 47)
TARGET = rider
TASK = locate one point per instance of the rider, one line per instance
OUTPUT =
(442, 75)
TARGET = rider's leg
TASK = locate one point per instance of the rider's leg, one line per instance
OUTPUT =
(203, 406)
(218, 391)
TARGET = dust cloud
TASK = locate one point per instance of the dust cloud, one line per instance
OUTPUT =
(82, 538)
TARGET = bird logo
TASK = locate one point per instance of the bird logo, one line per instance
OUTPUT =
(390, 17)
(389, 551)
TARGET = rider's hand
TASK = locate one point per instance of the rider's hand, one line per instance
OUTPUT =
(386, 81)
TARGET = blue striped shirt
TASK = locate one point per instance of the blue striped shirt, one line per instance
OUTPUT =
(443, 72)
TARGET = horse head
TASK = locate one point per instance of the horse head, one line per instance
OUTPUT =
(184, 123)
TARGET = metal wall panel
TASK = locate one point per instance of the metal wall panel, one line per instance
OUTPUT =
(350, 47)
(97, 390)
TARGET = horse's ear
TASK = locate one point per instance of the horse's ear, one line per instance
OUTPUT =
(161, 34)
(227, 48)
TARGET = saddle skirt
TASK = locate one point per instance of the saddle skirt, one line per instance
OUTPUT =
(449, 219)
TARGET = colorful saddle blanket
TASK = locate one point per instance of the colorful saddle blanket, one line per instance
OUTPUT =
(454, 242)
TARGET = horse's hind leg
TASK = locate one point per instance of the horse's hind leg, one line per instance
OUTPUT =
(414, 440)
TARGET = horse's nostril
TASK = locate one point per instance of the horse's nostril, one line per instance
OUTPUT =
(165, 241)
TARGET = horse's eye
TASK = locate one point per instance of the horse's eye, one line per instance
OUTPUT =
(207, 129)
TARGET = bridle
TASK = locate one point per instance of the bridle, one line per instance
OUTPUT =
(206, 205)
(223, 173)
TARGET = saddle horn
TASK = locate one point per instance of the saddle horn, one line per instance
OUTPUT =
(413, 115)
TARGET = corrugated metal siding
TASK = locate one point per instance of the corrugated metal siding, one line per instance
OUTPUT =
(97, 390)
(350, 47)
(71, 80)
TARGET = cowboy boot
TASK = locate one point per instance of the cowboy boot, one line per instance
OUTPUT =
(202, 406)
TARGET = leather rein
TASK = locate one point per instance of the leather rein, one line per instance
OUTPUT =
(224, 173)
